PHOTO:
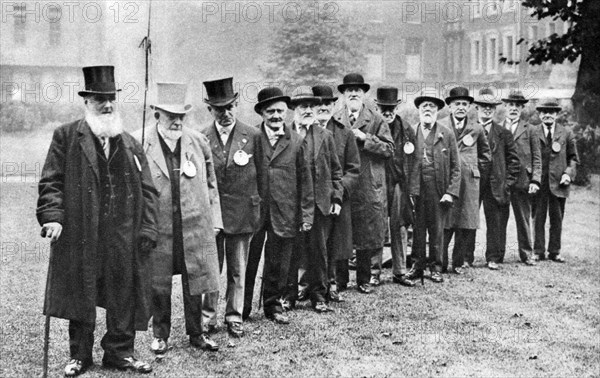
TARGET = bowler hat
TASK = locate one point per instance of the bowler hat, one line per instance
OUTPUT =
(549, 104)
(269, 95)
(304, 95)
(325, 92)
(486, 97)
(170, 97)
(220, 92)
(99, 80)
(422, 98)
(353, 80)
(516, 96)
(459, 93)
(387, 96)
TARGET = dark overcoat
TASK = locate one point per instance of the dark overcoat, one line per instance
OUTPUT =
(238, 184)
(200, 214)
(527, 145)
(69, 194)
(505, 163)
(340, 239)
(475, 157)
(563, 161)
(370, 196)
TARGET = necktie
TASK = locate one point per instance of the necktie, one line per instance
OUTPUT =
(224, 135)
(276, 135)
(105, 145)
(549, 136)
(486, 128)
(352, 119)
(303, 131)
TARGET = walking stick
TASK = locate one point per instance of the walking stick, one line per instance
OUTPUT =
(146, 44)
(46, 344)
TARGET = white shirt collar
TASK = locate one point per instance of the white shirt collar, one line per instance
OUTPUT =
(221, 128)
(459, 124)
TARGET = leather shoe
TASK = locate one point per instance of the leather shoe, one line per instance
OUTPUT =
(246, 313)
(334, 296)
(437, 277)
(556, 258)
(204, 342)
(364, 288)
(402, 280)
(458, 271)
(279, 318)
(466, 265)
(159, 345)
(302, 295)
(374, 281)
(342, 287)
(75, 367)
(537, 257)
(529, 262)
(413, 274)
(235, 329)
(211, 329)
(321, 307)
(492, 265)
(128, 363)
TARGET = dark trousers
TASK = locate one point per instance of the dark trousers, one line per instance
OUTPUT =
(495, 234)
(398, 234)
(429, 219)
(117, 342)
(298, 278)
(521, 205)
(363, 264)
(254, 256)
(544, 204)
(318, 259)
(278, 252)
(464, 245)
(342, 272)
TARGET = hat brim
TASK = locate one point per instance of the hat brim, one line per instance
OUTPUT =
(518, 101)
(364, 86)
(382, 103)
(174, 109)
(327, 99)
(223, 102)
(553, 108)
(483, 102)
(87, 93)
(308, 99)
(421, 99)
(452, 98)
(258, 107)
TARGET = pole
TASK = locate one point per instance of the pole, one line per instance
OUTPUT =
(46, 344)
(146, 44)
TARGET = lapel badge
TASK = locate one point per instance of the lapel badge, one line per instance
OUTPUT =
(244, 140)
(241, 158)
(556, 147)
(468, 140)
(409, 148)
(189, 169)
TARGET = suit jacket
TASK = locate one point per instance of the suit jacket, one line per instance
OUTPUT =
(505, 164)
(530, 156)
(445, 160)
(325, 168)
(564, 161)
(238, 184)
(369, 197)
(286, 184)
(200, 213)
(475, 160)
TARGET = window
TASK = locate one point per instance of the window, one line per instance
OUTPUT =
(476, 57)
(54, 24)
(492, 55)
(533, 32)
(551, 28)
(19, 18)
(509, 49)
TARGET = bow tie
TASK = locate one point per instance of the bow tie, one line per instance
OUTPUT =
(428, 126)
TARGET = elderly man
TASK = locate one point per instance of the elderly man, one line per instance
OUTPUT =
(237, 154)
(434, 184)
(475, 161)
(288, 203)
(326, 177)
(375, 145)
(189, 216)
(339, 244)
(397, 174)
(496, 186)
(98, 206)
(528, 181)
(559, 167)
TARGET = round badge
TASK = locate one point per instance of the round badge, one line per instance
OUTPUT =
(241, 158)
(468, 140)
(556, 147)
(189, 169)
(409, 148)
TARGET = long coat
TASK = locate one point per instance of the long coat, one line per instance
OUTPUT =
(340, 239)
(286, 183)
(564, 161)
(527, 145)
(238, 184)
(445, 160)
(200, 214)
(398, 168)
(475, 158)
(505, 163)
(69, 194)
(369, 197)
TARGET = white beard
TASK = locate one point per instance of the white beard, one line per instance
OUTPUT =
(171, 135)
(105, 125)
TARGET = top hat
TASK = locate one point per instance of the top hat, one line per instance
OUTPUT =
(516, 96)
(304, 95)
(220, 92)
(387, 96)
(324, 91)
(549, 104)
(423, 97)
(99, 80)
(486, 97)
(459, 93)
(171, 98)
(269, 95)
(353, 80)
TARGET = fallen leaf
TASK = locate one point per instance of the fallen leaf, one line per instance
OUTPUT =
(276, 351)
(528, 324)
(549, 285)
(534, 357)
(397, 342)
(516, 315)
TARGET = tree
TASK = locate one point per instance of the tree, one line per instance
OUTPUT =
(582, 39)
(318, 47)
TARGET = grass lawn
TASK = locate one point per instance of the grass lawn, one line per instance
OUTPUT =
(520, 321)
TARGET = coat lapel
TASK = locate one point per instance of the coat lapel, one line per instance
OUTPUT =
(439, 133)
(215, 143)
(283, 143)
(364, 118)
(187, 151)
(154, 150)
(541, 134)
(87, 145)
(266, 145)
(240, 138)
(521, 127)
(318, 136)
